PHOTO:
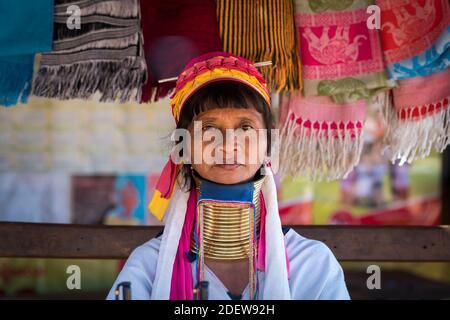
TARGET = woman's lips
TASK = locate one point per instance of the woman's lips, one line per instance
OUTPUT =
(228, 166)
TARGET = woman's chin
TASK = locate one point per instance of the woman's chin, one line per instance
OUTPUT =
(229, 174)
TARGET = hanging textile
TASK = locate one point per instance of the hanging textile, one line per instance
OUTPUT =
(175, 32)
(341, 56)
(434, 59)
(416, 41)
(25, 29)
(103, 56)
(415, 36)
(319, 139)
(263, 30)
(418, 119)
(342, 69)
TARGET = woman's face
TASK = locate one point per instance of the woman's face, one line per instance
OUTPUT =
(238, 154)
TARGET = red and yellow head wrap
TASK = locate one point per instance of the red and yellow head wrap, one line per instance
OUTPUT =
(199, 72)
(211, 67)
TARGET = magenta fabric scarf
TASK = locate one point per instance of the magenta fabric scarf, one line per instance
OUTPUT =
(182, 280)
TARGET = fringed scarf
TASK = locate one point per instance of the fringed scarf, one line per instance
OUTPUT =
(104, 56)
(417, 118)
(319, 139)
(263, 30)
(416, 41)
(174, 32)
(25, 29)
(342, 67)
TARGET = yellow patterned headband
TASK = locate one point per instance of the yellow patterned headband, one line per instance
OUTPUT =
(213, 67)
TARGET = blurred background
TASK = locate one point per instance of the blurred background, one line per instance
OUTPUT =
(97, 163)
(90, 163)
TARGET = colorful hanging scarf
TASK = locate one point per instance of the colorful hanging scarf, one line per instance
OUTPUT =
(342, 69)
(416, 42)
(418, 120)
(25, 29)
(175, 32)
(263, 30)
(319, 139)
(104, 56)
(341, 56)
(415, 36)
(434, 59)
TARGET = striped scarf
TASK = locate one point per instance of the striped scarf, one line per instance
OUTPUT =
(25, 29)
(103, 57)
(263, 30)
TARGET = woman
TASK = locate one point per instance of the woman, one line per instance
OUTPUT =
(222, 225)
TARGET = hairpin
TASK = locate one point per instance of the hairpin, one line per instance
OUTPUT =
(256, 64)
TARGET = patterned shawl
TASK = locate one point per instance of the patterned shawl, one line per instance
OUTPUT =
(345, 61)
(103, 56)
(415, 36)
(416, 41)
(341, 56)
(417, 117)
(342, 65)
(319, 139)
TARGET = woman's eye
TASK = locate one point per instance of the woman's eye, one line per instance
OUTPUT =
(206, 128)
(246, 127)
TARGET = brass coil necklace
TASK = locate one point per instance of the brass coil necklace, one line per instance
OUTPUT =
(227, 227)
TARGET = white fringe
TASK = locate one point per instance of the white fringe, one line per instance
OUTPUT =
(316, 153)
(113, 80)
(409, 139)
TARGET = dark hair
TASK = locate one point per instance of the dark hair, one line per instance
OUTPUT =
(223, 94)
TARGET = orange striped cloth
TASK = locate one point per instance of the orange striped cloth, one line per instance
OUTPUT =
(263, 30)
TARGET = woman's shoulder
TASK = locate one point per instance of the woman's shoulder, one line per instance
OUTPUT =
(151, 247)
(140, 269)
(315, 272)
(296, 244)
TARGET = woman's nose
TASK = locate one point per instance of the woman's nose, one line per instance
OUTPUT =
(232, 147)
(228, 147)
